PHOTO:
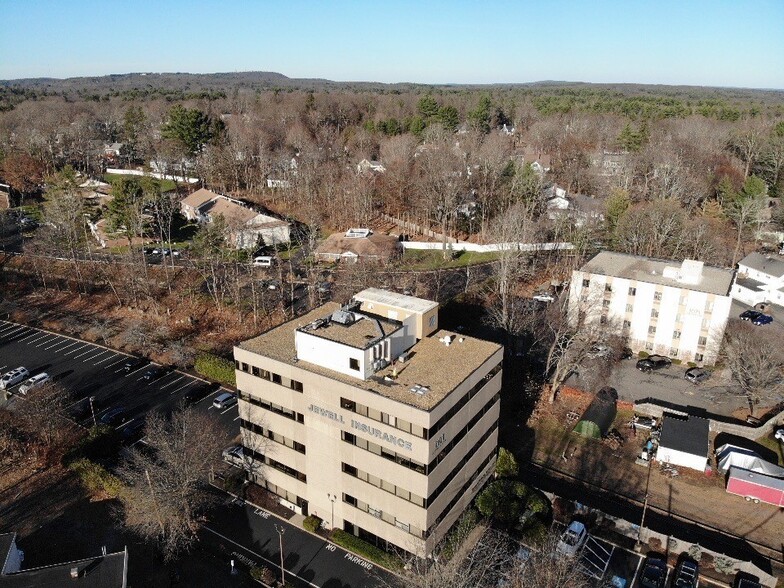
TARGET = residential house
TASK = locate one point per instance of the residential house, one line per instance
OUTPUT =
(192, 204)
(539, 162)
(356, 245)
(366, 166)
(5, 196)
(684, 441)
(108, 570)
(507, 129)
(679, 311)
(582, 209)
(760, 278)
(280, 179)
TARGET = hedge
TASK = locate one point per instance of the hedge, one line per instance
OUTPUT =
(312, 523)
(215, 368)
(96, 478)
(365, 549)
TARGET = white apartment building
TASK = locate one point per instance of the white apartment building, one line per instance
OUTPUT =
(370, 417)
(760, 278)
(675, 310)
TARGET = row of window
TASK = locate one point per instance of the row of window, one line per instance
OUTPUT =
(276, 437)
(464, 400)
(383, 484)
(281, 491)
(386, 517)
(383, 417)
(657, 295)
(459, 437)
(282, 467)
(674, 351)
(272, 407)
(269, 376)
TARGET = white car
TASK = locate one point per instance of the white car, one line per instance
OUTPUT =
(572, 539)
(13, 377)
(234, 455)
(34, 382)
(544, 297)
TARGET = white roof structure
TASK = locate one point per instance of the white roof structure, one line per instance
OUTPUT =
(729, 455)
(412, 303)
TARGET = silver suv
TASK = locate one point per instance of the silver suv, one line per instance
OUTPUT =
(13, 377)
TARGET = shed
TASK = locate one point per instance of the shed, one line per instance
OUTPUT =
(728, 456)
(684, 441)
(599, 415)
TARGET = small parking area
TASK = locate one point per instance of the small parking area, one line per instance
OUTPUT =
(88, 370)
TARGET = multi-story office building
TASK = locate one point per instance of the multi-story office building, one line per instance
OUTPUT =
(675, 310)
(370, 417)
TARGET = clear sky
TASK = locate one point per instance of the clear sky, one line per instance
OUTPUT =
(694, 42)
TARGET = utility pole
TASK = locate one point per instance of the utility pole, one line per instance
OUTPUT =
(92, 409)
(638, 545)
(281, 529)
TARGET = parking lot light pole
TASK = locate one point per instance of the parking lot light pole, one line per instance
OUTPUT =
(92, 410)
(281, 529)
(332, 499)
(638, 544)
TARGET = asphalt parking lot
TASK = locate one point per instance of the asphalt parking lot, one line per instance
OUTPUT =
(89, 370)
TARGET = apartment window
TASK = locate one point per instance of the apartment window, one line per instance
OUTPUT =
(432, 321)
(350, 470)
(657, 295)
(603, 319)
(709, 306)
(654, 313)
(705, 323)
(673, 352)
(276, 379)
(606, 303)
(632, 291)
(255, 371)
(678, 318)
(348, 499)
(348, 404)
(296, 386)
(649, 346)
(651, 330)
(698, 357)
(586, 283)
(245, 367)
(353, 364)
(627, 324)
(608, 288)
(702, 341)
(676, 334)
(265, 375)
(629, 308)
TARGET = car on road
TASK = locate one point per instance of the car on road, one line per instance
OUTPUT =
(234, 455)
(13, 377)
(572, 539)
(225, 400)
(696, 375)
(763, 319)
(197, 393)
(543, 297)
(35, 382)
(133, 364)
(653, 362)
(153, 373)
(687, 574)
(749, 315)
(654, 572)
(115, 417)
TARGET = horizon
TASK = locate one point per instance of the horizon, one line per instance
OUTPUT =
(702, 43)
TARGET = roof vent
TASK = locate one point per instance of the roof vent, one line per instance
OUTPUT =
(447, 339)
(419, 390)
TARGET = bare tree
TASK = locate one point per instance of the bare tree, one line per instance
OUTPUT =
(167, 487)
(756, 363)
(40, 412)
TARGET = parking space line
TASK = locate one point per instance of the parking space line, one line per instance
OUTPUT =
(75, 349)
(33, 332)
(5, 328)
(63, 348)
(46, 341)
(227, 410)
(90, 350)
(114, 363)
(236, 418)
(182, 387)
(113, 354)
(172, 382)
(12, 331)
(99, 354)
(60, 341)
(8, 329)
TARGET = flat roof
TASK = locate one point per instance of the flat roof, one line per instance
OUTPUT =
(412, 303)
(360, 334)
(714, 280)
(767, 264)
(432, 364)
(687, 434)
(103, 571)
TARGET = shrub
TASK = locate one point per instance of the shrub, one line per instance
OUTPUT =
(365, 549)
(312, 523)
(99, 443)
(537, 533)
(506, 465)
(465, 524)
(215, 368)
(262, 574)
(643, 354)
(96, 478)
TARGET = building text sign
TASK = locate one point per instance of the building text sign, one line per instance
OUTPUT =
(359, 426)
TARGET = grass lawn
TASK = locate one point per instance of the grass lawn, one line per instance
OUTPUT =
(434, 259)
(772, 444)
(166, 185)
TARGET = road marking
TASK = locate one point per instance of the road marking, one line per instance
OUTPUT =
(172, 382)
(99, 354)
(33, 332)
(90, 350)
(182, 387)
(227, 410)
(113, 354)
(46, 341)
(8, 329)
(10, 333)
(63, 348)
(75, 349)
(114, 363)
(236, 418)
(66, 342)
(272, 563)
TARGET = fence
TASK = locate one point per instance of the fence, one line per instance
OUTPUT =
(137, 172)
(410, 227)
(475, 247)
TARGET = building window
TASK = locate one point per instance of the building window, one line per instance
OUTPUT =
(657, 295)
(676, 334)
(353, 363)
(606, 303)
(432, 321)
(627, 324)
(245, 367)
(348, 404)
(629, 308)
(654, 313)
(708, 306)
(649, 346)
(702, 341)
(678, 318)
(632, 291)
(276, 379)
(296, 386)
(705, 323)
(698, 357)
(673, 352)
(608, 288)
(651, 330)
(603, 319)
(255, 371)
(586, 283)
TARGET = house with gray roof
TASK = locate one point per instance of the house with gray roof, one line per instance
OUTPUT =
(760, 278)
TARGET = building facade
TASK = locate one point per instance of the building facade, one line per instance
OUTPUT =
(370, 417)
(677, 311)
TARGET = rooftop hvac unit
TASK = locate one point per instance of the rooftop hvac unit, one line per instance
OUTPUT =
(379, 364)
(343, 317)
(357, 233)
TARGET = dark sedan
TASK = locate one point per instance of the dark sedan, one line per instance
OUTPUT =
(153, 373)
(654, 573)
(749, 315)
(653, 362)
(133, 364)
(115, 417)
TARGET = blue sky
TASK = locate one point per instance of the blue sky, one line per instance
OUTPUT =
(695, 42)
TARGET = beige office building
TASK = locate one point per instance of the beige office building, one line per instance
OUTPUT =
(370, 417)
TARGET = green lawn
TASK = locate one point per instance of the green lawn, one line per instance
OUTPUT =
(166, 185)
(434, 259)
(772, 444)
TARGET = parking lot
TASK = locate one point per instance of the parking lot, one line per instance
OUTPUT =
(91, 371)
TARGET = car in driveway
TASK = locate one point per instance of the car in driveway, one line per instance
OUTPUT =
(115, 417)
(763, 319)
(234, 455)
(36, 381)
(225, 400)
(696, 375)
(653, 573)
(13, 377)
(572, 539)
(653, 362)
(687, 574)
(749, 315)
(133, 364)
(153, 373)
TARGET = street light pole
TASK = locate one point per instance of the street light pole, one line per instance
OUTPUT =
(332, 499)
(92, 410)
(281, 529)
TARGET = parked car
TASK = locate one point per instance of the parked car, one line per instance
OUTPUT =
(35, 382)
(687, 574)
(234, 455)
(654, 572)
(572, 539)
(763, 319)
(653, 362)
(197, 393)
(695, 375)
(263, 261)
(543, 297)
(115, 417)
(13, 377)
(645, 422)
(133, 364)
(225, 400)
(627, 353)
(154, 373)
(749, 315)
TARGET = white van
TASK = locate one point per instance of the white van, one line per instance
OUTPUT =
(263, 261)
(13, 377)
(34, 382)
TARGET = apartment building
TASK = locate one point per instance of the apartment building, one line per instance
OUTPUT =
(370, 417)
(675, 310)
